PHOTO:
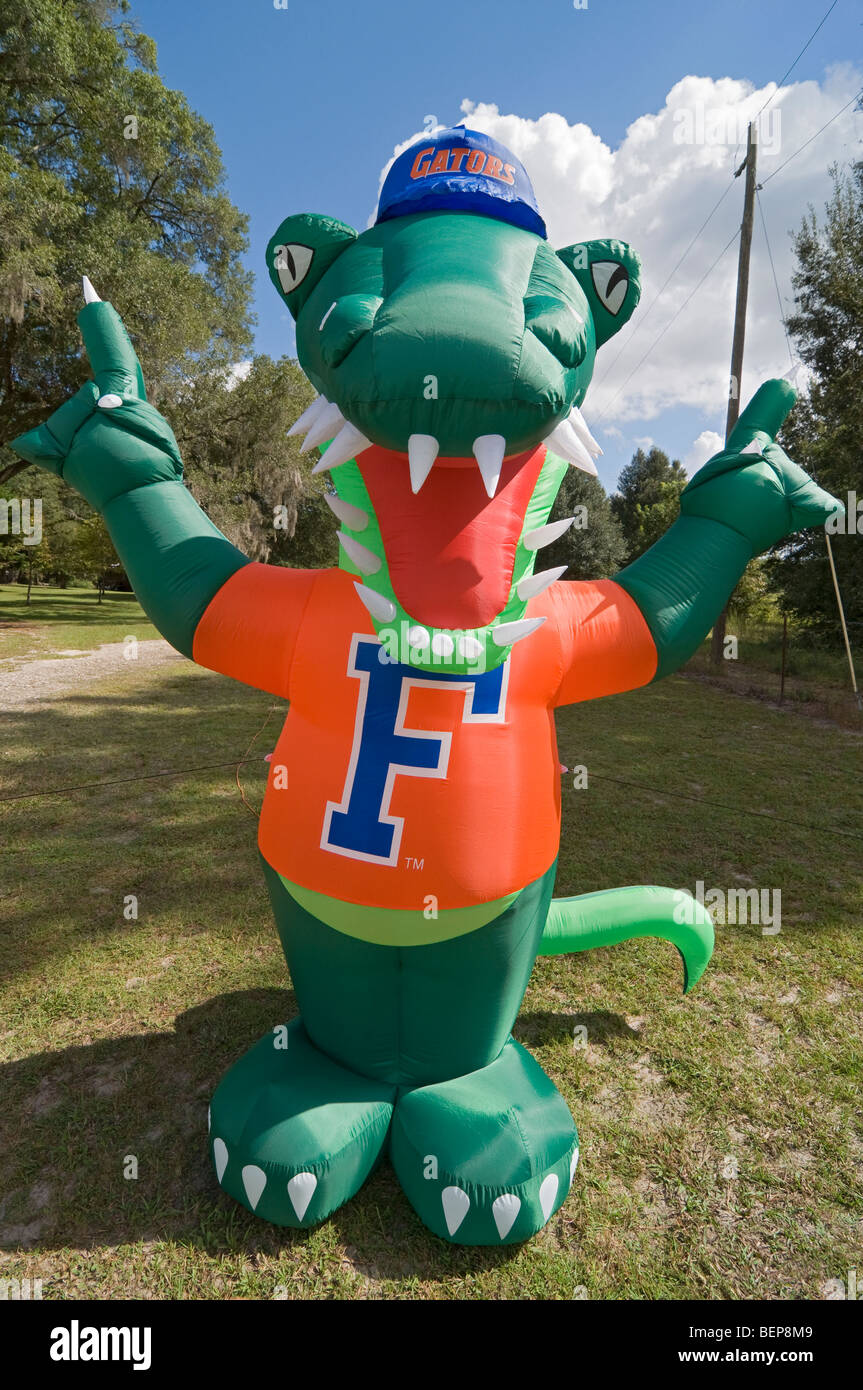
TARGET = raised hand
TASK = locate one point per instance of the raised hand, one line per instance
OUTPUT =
(752, 485)
(106, 440)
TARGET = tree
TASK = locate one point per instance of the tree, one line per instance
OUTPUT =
(647, 498)
(104, 171)
(824, 431)
(245, 472)
(593, 547)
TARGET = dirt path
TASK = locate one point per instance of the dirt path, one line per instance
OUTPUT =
(47, 678)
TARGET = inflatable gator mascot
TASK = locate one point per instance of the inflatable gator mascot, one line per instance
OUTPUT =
(410, 827)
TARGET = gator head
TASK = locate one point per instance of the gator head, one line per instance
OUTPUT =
(451, 348)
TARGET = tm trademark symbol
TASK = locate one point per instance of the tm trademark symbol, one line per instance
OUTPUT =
(413, 863)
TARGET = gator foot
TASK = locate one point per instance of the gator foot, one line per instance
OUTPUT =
(293, 1135)
(486, 1159)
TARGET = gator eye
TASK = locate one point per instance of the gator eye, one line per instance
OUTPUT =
(611, 281)
(292, 264)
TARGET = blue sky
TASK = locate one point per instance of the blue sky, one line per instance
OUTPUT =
(308, 102)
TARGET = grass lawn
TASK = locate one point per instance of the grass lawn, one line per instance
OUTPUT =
(721, 1138)
(63, 620)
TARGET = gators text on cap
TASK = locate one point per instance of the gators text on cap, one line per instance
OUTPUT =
(459, 170)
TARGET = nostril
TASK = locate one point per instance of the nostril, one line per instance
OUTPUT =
(559, 327)
(344, 324)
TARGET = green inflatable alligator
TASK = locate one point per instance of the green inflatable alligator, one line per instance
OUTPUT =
(410, 828)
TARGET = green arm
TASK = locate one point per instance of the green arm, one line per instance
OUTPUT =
(121, 455)
(747, 498)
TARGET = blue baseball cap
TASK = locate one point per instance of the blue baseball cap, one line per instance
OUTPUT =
(460, 170)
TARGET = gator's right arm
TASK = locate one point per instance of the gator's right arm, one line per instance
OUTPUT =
(121, 455)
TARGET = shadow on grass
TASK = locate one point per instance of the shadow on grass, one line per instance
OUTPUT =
(75, 1118)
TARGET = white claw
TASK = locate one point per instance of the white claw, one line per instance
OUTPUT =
(508, 633)
(573, 1164)
(347, 444)
(220, 1157)
(309, 416)
(579, 424)
(548, 1193)
(254, 1181)
(364, 559)
(534, 584)
(380, 607)
(301, 1190)
(544, 535)
(488, 450)
(505, 1209)
(326, 426)
(349, 515)
(455, 1205)
(90, 295)
(564, 441)
(422, 452)
(110, 401)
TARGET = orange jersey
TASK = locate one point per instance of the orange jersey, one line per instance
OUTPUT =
(390, 784)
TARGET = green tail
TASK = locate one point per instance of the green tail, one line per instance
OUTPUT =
(621, 914)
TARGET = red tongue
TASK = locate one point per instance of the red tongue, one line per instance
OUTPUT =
(451, 548)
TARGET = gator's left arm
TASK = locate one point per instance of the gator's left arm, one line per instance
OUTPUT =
(747, 498)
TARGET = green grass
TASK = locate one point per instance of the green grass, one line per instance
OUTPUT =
(57, 620)
(114, 1032)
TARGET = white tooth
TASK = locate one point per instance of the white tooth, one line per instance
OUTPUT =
(564, 441)
(347, 444)
(442, 645)
(309, 416)
(326, 426)
(547, 1194)
(579, 424)
(220, 1157)
(488, 450)
(301, 1189)
(418, 638)
(90, 295)
(508, 633)
(254, 1181)
(364, 559)
(379, 607)
(455, 1207)
(573, 1164)
(504, 1210)
(349, 515)
(533, 584)
(422, 452)
(544, 535)
(469, 648)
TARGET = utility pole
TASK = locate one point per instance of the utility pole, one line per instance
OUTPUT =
(718, 643)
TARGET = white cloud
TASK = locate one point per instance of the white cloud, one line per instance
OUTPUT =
(645, 442)
(238, 371)
(701, 449)
(655, 191)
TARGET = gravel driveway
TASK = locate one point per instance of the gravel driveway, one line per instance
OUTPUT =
(33, 681)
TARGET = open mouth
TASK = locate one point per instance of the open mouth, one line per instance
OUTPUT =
(448, 543)
(450, 547)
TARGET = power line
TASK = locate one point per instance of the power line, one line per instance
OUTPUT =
(799, 56)
(833, 118)
(653, 303)
(775, 280)
(671, 321)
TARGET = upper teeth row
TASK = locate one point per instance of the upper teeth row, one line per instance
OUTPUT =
(571, 439)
